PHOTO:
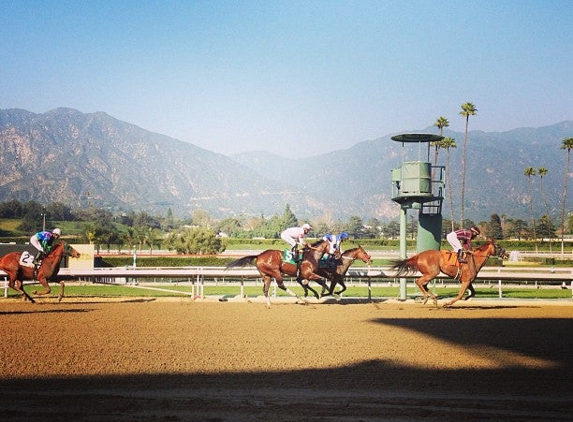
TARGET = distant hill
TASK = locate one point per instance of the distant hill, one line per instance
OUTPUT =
(93, 159)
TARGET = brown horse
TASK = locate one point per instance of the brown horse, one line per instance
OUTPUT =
(17, 273)
(431, 262)
(271, 265)
(336, 275)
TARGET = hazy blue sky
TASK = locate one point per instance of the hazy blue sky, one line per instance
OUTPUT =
(292, 77)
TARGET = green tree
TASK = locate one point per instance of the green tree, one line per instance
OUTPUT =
(288, 218)
(32, 220)
(468, 109)
(545, 228)
(494, 229)
(231, 226)
(355, 227)
(567, 144)
(197, 240)
(530, 171)
(392, 229)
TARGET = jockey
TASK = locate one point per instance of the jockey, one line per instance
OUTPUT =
(294, 236)
(462, 239)
(43, 242)
(335, 242)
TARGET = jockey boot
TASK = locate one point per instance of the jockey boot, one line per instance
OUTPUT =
(294, 252)
(38, 258)
(461, 259)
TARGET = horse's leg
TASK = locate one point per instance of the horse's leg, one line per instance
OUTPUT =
(464, 285)
(266, 286)
(281, 284)
(422, 282)
(343, 287)
(306, 287)
(19, 287)
(472, 291)
(44, 282)
(62, 287)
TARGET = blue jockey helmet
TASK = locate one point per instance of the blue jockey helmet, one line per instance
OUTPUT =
(344, 235)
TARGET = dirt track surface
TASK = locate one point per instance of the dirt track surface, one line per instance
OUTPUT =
(180, 360)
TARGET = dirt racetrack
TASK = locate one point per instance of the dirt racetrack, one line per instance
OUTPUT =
(179, 360)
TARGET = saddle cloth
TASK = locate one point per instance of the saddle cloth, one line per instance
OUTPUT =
(288, 257)
(452, 258)
(26, 259)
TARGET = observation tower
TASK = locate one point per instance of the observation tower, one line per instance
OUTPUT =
(418, 185)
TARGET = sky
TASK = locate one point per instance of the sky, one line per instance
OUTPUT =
(295, 78)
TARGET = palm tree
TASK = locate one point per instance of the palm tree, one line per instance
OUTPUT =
(530, 171)
(446, 144)
(567, 144)
(441, 123)
(542, 171)
(468, 109)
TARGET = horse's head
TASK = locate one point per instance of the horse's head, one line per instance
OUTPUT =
(363, 255)
(491, 248)
(501, 252)
(66, 249)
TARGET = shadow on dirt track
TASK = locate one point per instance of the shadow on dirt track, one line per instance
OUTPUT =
(372, 390)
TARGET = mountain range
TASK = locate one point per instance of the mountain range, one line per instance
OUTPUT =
(93, 159)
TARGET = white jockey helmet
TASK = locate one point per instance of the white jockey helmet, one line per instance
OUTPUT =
(306, 226)
(57, 231)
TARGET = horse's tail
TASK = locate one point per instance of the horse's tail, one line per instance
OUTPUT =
(241, 262)
(404, 266)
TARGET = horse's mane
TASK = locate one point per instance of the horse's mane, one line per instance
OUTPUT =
(318, 242)
(485, 246)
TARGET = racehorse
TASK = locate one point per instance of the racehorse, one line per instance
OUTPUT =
(271, 265)
(336, 274)
(431, 262)
(17, 273)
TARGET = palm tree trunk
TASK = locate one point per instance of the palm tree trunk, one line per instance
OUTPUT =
(563, 204)
(449, 184)
(464, 174)
(531, 212)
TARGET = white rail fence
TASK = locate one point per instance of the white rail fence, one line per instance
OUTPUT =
(198, 277)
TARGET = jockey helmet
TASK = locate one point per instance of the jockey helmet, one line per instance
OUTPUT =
(306, 226)
(475, 230)
(343, 236)
(57, 232)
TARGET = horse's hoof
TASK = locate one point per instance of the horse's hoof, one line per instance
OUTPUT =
(425, 301)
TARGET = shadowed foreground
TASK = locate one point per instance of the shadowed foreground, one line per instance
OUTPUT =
(175, 360)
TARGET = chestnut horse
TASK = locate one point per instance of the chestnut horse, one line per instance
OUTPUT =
(336, 274)
(271, 265)
(17, 273)
(431, 262)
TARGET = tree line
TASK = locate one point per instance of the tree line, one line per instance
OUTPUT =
(200, 233)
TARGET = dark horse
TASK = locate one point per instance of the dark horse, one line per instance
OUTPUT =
(336, 274)
(271, 265)
(17, 273)
(431, 262)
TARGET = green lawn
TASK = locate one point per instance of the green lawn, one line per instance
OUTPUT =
(101, 290)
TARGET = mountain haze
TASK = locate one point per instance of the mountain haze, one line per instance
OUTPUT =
(93, 159)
